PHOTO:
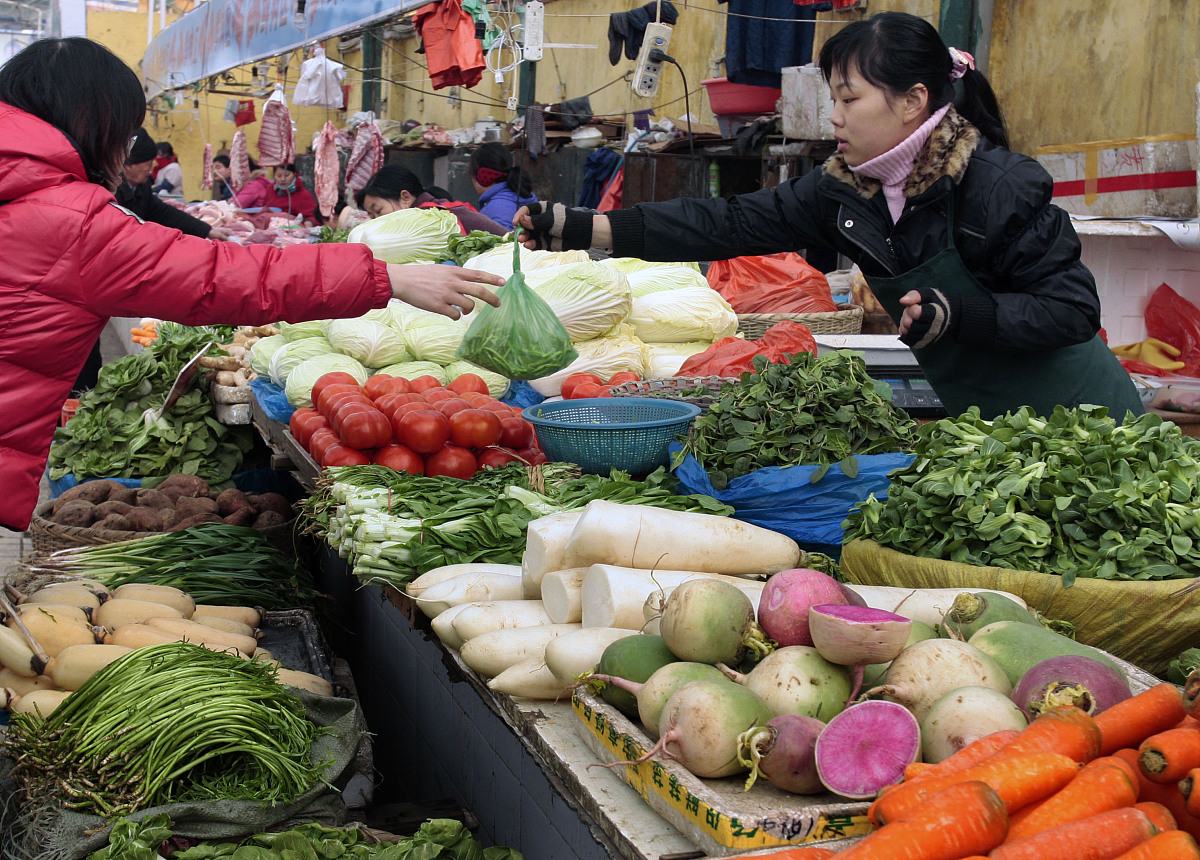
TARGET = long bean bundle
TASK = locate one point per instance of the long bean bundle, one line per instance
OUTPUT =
(168, 723)
(213, 562)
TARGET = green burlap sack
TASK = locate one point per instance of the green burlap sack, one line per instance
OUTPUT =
(49, 832)
(1144, 622)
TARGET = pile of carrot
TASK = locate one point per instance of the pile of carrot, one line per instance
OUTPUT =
(145, 334)
(1117, 786)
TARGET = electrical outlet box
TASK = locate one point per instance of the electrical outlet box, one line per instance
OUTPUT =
(647, 73)
(533, 36)
(512, 102)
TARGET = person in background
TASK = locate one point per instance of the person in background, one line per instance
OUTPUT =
(167, 175)
(956, 235)
(503, 188)
(70, 112)
(285, 192)
(222, 182)
(396, 187)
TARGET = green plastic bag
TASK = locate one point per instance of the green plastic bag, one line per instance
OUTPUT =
(521, 339)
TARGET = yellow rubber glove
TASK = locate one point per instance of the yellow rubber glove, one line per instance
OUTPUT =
(1152, 351)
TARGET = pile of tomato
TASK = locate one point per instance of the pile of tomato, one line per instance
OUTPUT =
(416, 426)
(580, 385)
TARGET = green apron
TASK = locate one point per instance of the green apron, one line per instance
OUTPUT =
(999, 381)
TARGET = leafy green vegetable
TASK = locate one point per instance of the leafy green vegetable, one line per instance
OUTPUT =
(135, 840)
(463, 248)
(331, 234)
(817, 410)
(1183, 665)
(1073, 494)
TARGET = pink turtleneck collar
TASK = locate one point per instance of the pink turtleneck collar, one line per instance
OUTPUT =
(893, 167)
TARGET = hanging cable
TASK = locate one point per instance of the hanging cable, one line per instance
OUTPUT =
(657, 55)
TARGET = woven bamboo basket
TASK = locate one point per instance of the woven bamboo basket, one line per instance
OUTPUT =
(847, 319)
(701, 391)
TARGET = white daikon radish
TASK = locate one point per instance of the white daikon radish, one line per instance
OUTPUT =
(546, 549)
(492, 615)
(614, 596)
(468, 588)
(529, 679)
(443, 626)
(927, 605)
(440, 574)
(646, 538)
(575, 653)
(492, 653)
(562, 594)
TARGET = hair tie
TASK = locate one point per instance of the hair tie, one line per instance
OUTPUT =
(960, 62)
(486, 176)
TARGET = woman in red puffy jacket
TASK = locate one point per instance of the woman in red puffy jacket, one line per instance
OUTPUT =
(72, 257)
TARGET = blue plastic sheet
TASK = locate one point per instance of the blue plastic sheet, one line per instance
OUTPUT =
(271, 399)
(784, 499)
(522, 394)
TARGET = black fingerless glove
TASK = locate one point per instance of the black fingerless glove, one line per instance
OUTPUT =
(557, 227)
(940, 317)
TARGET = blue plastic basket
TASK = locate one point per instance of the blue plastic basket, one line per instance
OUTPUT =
(606, 433)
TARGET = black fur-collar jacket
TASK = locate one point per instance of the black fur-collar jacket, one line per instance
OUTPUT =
(1016, 243)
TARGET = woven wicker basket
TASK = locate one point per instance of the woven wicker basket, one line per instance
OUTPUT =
(701, 391)
(846, 320)
(47, 536)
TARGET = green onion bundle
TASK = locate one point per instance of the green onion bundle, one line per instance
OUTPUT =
(213, 562)
(168, 723)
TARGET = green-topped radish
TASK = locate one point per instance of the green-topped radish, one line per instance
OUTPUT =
(578, 653)
(615, 596)
(963, 716)
(784, 751)
(927, 605)
(925, 671)
(634, 658)
(857, 636)
(974, 610)
(701, 724)
(797, 680)
(653, 695)
(1019, 647)
(710, 621)
(867, 747)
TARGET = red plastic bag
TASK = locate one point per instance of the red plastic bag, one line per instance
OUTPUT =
(1173, 319)
(772, 284)
(245, 113)
(732, 356)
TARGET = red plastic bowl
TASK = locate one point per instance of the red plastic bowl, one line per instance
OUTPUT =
(726, 98)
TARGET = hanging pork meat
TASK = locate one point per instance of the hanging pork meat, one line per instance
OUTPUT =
(366, 157)
(276, 138)
(325, 169)
(206, 180)
(239, 160)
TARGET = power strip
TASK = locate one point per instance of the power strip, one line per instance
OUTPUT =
(647, 73)
(534, 30)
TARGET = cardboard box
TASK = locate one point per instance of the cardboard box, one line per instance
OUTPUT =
(716, 814)
(1127, 178)
(805, 103)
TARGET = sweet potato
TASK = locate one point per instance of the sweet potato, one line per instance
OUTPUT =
(93, 492)
(188, 522)
(77, 513)
(268, 519)
(115, 523)
(147, 498)
(144, 520)
(187, 485)
(121, 493)
(169, 517)
(231, 501)
(190, 506)
(273, 502)
(112, 507)
(242, 517)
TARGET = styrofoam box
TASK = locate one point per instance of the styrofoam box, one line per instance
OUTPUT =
(805, 103)
(1125, 178)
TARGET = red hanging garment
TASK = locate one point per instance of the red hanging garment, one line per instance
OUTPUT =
(454, 55)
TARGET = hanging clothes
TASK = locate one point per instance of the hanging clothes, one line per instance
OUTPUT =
(485, 30)
(453, 54)
(535, 129)
(366, 156)
(597, 170)
(756, 49)
(320, 83)
(834, 4)
(276, 138)
(627, 29)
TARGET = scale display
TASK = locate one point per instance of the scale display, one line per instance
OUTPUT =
(911, 391)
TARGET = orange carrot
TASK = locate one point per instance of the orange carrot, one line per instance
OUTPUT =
(1171, 845)
(1098, 837)
(1159, 815)
(1064, 730)
(1167, 795)
(1019, 780)
(1128, 723)
(1168, 756)
(1188, 790)
(917, 768)
(963, 819)
(969, 756)
(1104, 784)
(799, 852)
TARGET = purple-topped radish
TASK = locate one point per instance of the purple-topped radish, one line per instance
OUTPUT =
(1073, 680)
(785, 601)
(784, 752)
(857, 636)
(866, 747)
(710, 621)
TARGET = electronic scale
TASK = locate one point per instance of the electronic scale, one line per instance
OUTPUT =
(888, 360)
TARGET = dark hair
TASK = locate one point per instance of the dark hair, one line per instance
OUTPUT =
(165, 148)
(388, 182)
(290, 166)
(896, 51)
(86, 92)
(496, 156)
(438, 192)
(221, 159)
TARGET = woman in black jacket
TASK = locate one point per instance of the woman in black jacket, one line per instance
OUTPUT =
(955, 234)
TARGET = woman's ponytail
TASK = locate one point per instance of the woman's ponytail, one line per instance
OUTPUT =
(977, 102)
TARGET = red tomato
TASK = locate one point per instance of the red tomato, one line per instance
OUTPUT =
(533, 456)
(476, 399)
(322, 439)
(380, 384)
(589, 389)
(518, 412)
(451, 406)
(389, 402)
(340, 455)
(345, 410)
(365, 430)
(303, 422)
(501, 409)
(424, 383)
(400, 458)
(453, 462)
(424, 431)
(437, 395)
(322, 402)
(475, 428)
(515, 432)
(568, 386)
(335, 377)
(494, 458)
(468, 382)
(619, 378)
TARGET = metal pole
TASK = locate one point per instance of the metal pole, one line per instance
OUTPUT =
(528, 84)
